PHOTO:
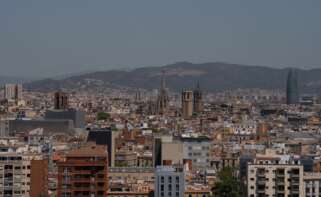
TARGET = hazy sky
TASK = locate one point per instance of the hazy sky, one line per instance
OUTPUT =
(53, 37)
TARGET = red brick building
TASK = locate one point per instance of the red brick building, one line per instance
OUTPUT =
(83, 172)
(39, 178)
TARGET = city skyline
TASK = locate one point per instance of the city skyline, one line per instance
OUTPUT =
(160, 99)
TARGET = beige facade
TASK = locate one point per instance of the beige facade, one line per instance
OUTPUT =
(173, 152)
(275, 180)
(187, 104)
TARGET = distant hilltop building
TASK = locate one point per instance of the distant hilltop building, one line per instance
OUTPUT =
(292, 89)
(163, 98)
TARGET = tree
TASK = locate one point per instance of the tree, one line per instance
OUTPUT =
(102, 116)
(227, 186)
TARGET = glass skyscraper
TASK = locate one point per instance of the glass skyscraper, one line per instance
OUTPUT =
(292, 89)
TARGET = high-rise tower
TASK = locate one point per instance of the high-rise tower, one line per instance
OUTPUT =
(187, 104)
(292, 89)
(163, 99)
(13, 92)
(198, 99)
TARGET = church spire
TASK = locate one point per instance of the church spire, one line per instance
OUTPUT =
(162, 101)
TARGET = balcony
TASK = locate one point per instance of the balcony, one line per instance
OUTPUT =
(279, 191)
(295, 175)
(280, 175)
(260, 182)
(260, 191)
(261, 175)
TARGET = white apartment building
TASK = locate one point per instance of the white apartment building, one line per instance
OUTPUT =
(312, 184)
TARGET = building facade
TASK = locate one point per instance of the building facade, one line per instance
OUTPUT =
(275, 180)
(292, 89)
(17, 174)
(78, 117)
(187, 104)
(105, 137)
(13, 92)
(169, 181)
(198, 99)
(197, 150)
(83, 172)
(312, 184)
(60, 100)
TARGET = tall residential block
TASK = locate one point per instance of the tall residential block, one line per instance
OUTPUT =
(17, 177)
(83, 172)
(13, 92)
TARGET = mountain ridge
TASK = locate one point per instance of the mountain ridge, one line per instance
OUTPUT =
(213, 77)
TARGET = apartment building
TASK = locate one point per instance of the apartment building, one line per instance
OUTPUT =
(83, 172)
(16, 174)
(312, 184)
(279, 180)
(198, 150)
(169, 181)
